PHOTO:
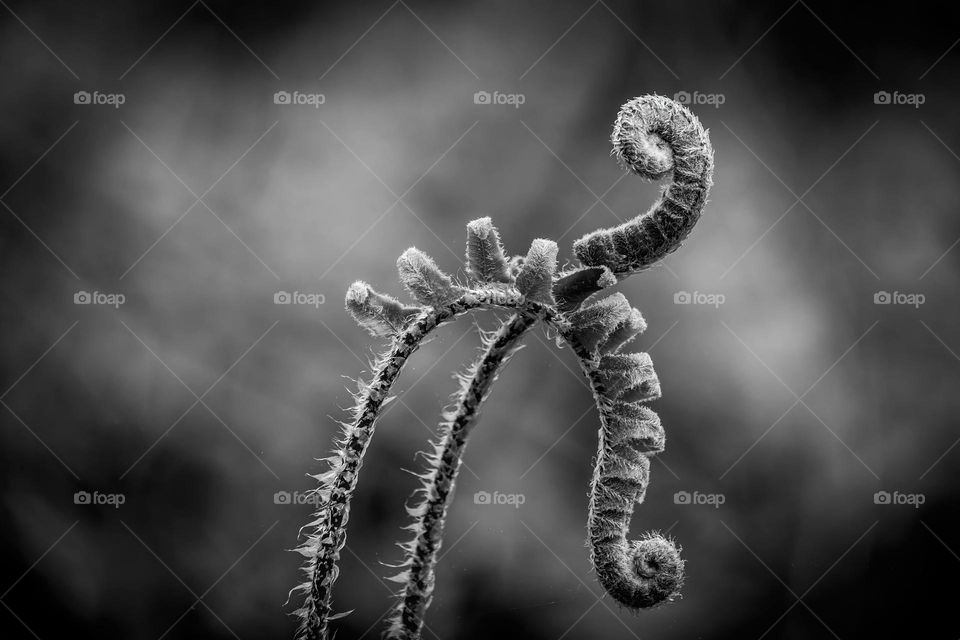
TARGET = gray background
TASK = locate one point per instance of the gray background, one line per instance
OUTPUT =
(199, 399)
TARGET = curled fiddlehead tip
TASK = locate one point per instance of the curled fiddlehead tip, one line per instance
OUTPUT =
(653, 136)
(638, 144)
(658, 569)
(421, 276)
(378, 313)
(640, 573)
(485, 258)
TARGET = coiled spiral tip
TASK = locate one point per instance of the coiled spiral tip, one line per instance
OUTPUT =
(646, 573)
(641, 150)
(658, 566)
(654, 137)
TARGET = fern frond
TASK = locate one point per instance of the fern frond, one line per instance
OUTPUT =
(653, 137)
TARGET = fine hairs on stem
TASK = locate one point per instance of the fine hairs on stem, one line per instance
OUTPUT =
(653, 137)
(417, 576)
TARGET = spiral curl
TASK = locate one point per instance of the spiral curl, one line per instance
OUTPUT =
(648, 571)
(653, 137)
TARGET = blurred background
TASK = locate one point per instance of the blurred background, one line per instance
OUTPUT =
(169, 170)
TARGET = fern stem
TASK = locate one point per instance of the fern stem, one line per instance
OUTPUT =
(407, 620)
(323, 546)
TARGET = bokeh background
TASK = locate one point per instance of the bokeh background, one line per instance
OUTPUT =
(198, 399)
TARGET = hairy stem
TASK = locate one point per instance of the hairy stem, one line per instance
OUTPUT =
(406, 622)
(533, 277)
(323, 546)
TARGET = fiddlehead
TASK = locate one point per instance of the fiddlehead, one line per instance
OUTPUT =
(647, 571)
(653, 137)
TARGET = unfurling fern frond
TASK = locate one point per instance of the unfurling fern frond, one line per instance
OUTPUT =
(655, 138)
